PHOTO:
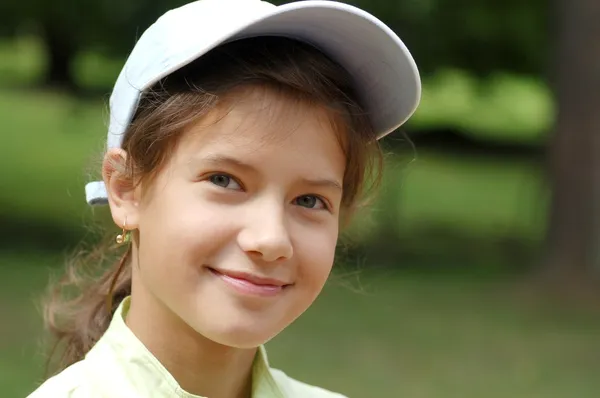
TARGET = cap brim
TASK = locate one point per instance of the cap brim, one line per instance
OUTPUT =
(384, 72)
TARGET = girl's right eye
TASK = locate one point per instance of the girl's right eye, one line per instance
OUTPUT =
(224, 181)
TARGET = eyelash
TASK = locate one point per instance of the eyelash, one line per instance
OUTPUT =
(209, 178)
(323, 201)
(317, 197)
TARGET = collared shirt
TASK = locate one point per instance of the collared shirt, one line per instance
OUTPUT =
(120, 366)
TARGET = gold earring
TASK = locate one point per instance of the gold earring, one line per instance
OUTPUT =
(124, 236)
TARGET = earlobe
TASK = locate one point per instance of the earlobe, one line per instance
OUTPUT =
(121, 188)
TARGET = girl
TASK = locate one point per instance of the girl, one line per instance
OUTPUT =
(241, 137)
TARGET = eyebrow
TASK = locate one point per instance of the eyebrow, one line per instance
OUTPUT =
(325, 183)
(216, 160)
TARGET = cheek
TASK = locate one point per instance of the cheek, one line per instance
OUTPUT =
(316, 257)
(178, 234)
(180, 218)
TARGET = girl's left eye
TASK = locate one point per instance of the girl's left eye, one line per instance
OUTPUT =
(224, 181)
(310, 202)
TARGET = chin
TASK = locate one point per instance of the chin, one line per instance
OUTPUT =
(239, 337)
(238, 329)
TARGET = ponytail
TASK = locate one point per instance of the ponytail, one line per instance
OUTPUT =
(80, 306)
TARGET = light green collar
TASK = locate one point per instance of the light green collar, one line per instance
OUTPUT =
(138, 372)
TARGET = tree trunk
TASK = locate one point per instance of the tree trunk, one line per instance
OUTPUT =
(61, 51)
(574, 153)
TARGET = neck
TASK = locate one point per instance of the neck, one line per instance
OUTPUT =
(200, 366)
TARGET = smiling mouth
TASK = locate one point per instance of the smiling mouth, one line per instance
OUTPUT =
(250, 284)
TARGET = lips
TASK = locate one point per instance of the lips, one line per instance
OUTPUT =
(250, 284)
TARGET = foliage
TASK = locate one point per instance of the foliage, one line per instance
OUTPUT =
(478, 36)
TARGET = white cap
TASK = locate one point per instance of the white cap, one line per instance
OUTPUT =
(385, 75)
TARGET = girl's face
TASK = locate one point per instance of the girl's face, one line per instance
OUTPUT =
(237, 233)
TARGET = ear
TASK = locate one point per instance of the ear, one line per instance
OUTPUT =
(123, 195)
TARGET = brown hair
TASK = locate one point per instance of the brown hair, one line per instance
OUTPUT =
(81, 305)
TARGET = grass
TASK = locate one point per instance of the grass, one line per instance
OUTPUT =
(51, 141)
(390, 335)
(486, 196)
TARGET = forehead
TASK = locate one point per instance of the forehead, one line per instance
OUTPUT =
(261, 124)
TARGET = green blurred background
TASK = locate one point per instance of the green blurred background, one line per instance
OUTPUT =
(473, 275)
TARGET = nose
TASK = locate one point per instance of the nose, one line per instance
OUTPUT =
(266, 235)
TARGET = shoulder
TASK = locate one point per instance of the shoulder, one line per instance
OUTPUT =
(297, 389)
(70, 383)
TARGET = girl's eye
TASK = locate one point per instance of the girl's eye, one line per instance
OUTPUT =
(225, 181)
(310, 202)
